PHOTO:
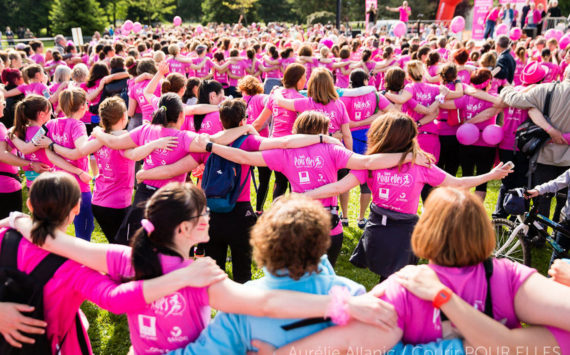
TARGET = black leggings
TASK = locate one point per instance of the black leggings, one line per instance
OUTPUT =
(264, 174)
(11, 201)
(334, 249)
(477, 160)
(449, 155)
(132, 221)
(109, 220)
(281, 184)
(232, 229)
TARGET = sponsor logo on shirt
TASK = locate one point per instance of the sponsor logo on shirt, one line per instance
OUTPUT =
(383, 193)
(147, 327)
(304, 177)
(304, 161)
(176, 336)
(172, 305)
(394, 179)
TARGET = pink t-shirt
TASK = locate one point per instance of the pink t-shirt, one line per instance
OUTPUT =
(403, 13)
(38, 58)
(342, 80)
(493, 14)
(310, 167)
(276, 74)
(334, 110)
(562, 70)
(255, 105)
(464, 75)
(424, 94)
(400, 190)
(70, 285)
(39, 155)
(116, 179)
(513, 117)
(8, 184)
(443, 52)
(34, 88)
(177, 67)
(237, 69)
(469, 107)
(361, 107)
(137, 93)
(65, 131)
(442, 127)
(169, 323)
(130, 84)
(205, 70)
(222, 78)
(421, 322)
(211, 124)
(148, 133)
(495, 84)
(552, 72)
(283, 119)
(518, 71)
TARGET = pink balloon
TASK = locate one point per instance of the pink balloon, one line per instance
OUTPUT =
(128, 25)
(558, 34)
(137, 27)
(515, 34)
(399, 29)
(502, 29)
(564, 41)
(199, 29)
(549, 34)
(467, 134)
(457, 24)
(493, 134)
(177, 21)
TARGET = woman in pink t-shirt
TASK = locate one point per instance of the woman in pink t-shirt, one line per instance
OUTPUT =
(405, 11)
(456, 236)
(177, 218)
(385, 245)
(310, 167)
(53, 202)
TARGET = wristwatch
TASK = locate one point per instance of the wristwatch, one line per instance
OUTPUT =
(442, 297)
(209, 146)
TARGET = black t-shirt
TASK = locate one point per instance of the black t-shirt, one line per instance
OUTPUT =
(555, 12)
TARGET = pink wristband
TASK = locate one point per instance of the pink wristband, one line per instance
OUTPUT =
(337, 309)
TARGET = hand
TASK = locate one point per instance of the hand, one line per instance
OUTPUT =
(469, 90)
(43, 142)
(164, 68)
(202, 140)
(420, 280)
(251, 130)
(203, 272)
(39, 167)
(560, 272)
(13, 322)
(337, 135)
(443, 90)
(84, 177)
(263, 348)
(531, 193)
(166, 143)
(372, 310)
(500, 171)
(141, 176)
(332, 140)
(424, 160)
(557, 136)
(97, 131)
(103, 81)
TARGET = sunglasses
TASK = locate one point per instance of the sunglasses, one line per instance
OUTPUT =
(205, 214)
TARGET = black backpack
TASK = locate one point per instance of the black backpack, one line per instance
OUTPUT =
(114, 88)
(18, 287)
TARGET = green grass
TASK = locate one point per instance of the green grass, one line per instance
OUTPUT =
(109, 333)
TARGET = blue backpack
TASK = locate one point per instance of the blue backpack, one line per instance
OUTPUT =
(221, 181)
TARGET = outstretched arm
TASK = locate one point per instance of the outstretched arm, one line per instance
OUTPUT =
(333, 189)
(163, 172)
(498, 172)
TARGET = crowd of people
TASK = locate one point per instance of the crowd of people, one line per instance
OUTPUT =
(155, 136)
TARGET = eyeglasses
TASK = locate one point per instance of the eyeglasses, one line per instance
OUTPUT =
(205, 214)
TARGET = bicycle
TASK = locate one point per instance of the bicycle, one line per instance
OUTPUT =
(513, 238)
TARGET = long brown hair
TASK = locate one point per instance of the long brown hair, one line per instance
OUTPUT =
(27, 110)
(394, 132)
(321, 87)
(292, 75)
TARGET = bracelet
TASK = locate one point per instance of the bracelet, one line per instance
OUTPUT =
(13, 217)
(50, 146)
(209, 147)
(321, 137)
(442, 297)
(337, 309)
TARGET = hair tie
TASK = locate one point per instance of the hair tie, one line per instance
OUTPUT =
(147, 225)
(163, 108)
(132, 65)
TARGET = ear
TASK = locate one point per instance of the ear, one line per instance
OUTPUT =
(29, 205)
(77, 208)
(212, 96)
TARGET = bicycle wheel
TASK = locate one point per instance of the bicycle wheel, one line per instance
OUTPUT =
(509, 245)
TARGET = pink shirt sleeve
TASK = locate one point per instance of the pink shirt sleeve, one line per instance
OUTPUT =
(78, 131)
(274, 158)
(461, 102)
(434, 176)
(341, 155)
(361, 175)
(382, 102)
(252, 143)
(22, 88)
(136, 133)
(302, 105)
(396, 296)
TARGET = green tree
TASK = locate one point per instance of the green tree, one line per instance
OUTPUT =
(275, 10)
(153, 10)
(25, 13)
(66, 14)
(242, 6)
(215, 11)
(303, 8)
(189, 9)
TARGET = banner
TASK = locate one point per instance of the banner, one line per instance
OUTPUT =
(480, 10)
(370, 3)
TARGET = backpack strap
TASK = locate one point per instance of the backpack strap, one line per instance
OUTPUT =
(10, 245)
(488, 264)
(13, 176)
(547, 101)
(81, 335)
(47, 268)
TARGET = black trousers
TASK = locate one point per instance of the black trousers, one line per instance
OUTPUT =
(449, 155)
(281, 184)
(109, 220)
(232, 230)
(334, 249)
(264, 174)
(132, 221)
(476, 160)
(11, 201)
(543, 174)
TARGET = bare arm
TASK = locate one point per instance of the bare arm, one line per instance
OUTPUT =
(333, 189)
(296, 141)
(89, 147)
(376, 161)
(182, 166)
(497, 173)
(238, 155)
(25, 147)
(483, 95)
(346, 136)
(261, 119)
(151, 87)
(199, 109)
(143, 151)
(64, 164)
(132, 107)
(123, 141)
(401, 98)
(484, 115)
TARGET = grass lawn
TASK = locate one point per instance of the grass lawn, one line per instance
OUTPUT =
(109, 333)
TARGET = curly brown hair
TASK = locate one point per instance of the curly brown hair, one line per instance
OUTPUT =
(250, 85)
(292, 235)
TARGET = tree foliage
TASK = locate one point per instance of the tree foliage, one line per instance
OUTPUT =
(189, 10)
(25, 13)
(153, 10)
(66, 14)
